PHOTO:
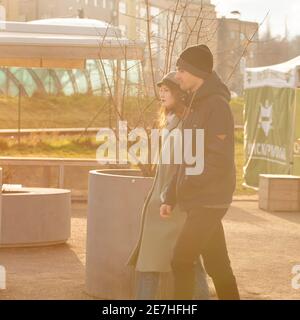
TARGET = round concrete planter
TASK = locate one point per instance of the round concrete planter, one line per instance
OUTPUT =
(115, 202)
(35, 217)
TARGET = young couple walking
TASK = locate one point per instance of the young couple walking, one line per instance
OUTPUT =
(182, 215)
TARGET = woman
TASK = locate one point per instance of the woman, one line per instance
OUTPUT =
(153, 252)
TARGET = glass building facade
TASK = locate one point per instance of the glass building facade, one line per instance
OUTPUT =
(95, 79)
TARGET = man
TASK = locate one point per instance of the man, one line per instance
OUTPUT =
(206, 197)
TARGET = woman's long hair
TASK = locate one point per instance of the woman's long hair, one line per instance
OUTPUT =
(178, 108)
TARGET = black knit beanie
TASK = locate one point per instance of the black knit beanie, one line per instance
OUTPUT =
(198, 60)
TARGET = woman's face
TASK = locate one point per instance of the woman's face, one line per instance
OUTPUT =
(166, 97)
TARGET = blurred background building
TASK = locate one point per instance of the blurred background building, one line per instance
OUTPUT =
(27, 10)
(237, 49)
(234, 42)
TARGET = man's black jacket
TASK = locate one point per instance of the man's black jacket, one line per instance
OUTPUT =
(210, 111)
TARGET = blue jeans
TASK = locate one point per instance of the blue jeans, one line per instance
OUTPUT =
(148, 282)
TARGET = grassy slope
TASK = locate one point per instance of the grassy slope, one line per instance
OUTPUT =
(77, 111)
(65, 112)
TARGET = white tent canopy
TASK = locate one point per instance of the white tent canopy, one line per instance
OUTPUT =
(73, 22)
(65, 43)
(283, 75)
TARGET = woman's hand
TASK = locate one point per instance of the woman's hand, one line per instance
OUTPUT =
(165, 211)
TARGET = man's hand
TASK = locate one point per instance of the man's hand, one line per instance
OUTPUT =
(165, 211)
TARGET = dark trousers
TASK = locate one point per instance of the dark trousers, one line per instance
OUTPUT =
(203, 234)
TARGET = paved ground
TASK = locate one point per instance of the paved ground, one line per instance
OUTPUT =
(263, 248)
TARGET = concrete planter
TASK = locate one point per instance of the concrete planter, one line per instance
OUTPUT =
(115, 202)
(35, 217)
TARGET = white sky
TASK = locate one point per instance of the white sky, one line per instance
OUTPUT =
(281, 11)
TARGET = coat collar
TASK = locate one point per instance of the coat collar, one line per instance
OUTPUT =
(211, 86)
(173, 123)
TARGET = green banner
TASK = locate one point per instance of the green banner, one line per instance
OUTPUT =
(269, 141)
(296, 169)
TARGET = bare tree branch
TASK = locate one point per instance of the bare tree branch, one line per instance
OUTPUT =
(249, 41)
